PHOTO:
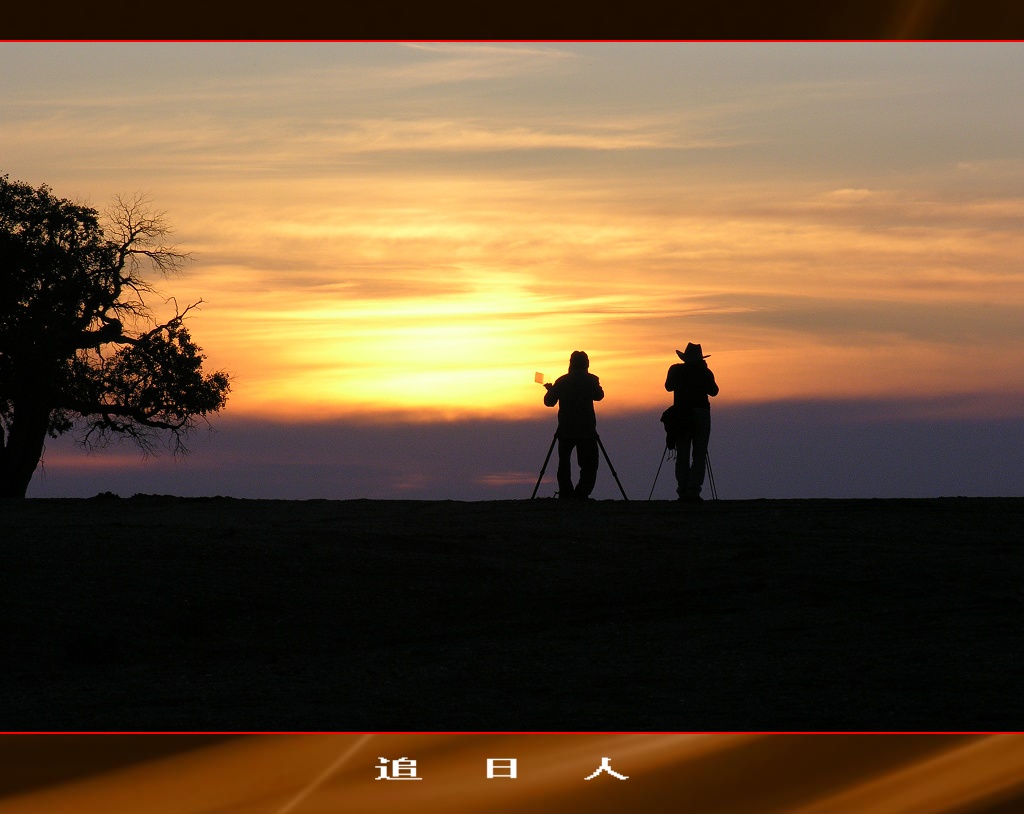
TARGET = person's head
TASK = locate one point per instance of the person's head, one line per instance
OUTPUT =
(579, 360)
(693, 353)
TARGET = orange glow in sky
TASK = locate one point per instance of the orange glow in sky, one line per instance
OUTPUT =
(418, 228)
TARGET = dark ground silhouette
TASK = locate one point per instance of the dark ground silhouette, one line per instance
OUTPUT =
(169, 614)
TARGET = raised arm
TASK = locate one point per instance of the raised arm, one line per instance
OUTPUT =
(712, 384)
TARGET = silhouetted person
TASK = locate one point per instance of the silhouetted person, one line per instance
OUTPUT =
(691, 382)
(575, 394)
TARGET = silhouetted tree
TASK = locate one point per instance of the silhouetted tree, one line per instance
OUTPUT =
(79, 346)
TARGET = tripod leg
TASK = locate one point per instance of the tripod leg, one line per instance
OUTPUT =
(612, 468)
(711, 478)
(546, 459)
(663, 454)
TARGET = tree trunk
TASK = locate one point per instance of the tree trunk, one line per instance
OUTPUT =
(22, 449)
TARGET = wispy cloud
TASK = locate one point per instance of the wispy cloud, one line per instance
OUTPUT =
(466, 62)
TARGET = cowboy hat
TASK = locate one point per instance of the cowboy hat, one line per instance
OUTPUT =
(692, 353)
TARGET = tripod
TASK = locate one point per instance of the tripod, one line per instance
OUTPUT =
(711, 474)
(548, 458)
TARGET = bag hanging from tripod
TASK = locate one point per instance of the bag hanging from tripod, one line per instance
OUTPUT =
(677, 421)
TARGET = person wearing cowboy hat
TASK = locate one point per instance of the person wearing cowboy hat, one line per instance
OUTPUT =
(575, 394)
(691, 382)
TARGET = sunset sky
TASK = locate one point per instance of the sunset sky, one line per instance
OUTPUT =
(395, 232)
